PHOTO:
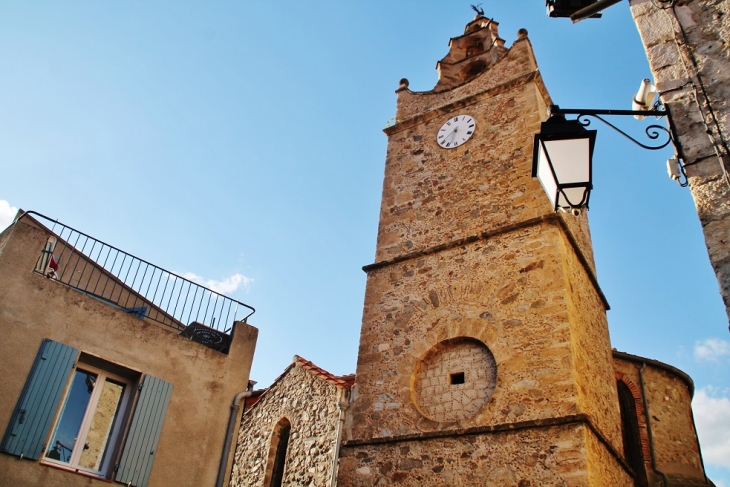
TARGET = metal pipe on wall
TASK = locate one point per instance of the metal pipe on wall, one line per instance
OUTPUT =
(229, 435)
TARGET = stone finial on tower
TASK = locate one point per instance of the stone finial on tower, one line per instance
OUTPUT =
(471, 53)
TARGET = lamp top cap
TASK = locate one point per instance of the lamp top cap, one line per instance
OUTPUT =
(558, 125)
(553, 110)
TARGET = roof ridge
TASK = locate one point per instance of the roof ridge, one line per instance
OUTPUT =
(342, 382)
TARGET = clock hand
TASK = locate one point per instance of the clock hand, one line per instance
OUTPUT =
(450, 133)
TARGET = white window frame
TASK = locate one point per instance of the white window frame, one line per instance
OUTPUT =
(117, 428)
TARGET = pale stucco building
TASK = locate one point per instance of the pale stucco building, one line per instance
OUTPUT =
(115, 369)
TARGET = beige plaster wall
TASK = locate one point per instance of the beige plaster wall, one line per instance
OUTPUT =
(310, 405)
(204, 381)
(693, 76)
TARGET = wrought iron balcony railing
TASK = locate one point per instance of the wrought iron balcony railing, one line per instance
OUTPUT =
(136, 286)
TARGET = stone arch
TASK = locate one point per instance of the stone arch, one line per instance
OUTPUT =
(633, 427)
(276, 460)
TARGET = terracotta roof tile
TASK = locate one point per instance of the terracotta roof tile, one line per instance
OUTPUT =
(343, 382)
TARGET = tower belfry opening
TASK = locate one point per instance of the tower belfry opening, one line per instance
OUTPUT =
(470, 54)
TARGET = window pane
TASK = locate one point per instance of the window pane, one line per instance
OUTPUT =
(101, 425)
(67, 429)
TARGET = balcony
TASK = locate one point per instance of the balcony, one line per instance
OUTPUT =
(135, 286)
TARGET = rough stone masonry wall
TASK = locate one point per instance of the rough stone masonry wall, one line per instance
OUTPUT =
(525, 458)
(681, 68)
(523, 321)
(591, 349)
(415, 305)
(310, 404)
(668, 399)
(432, 196)
(469, 249)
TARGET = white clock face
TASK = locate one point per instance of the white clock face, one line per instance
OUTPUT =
(456, 131)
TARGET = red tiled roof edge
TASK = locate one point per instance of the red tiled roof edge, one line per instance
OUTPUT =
(343, 382)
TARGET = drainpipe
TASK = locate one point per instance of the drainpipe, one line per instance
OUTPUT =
(342, 405)
(665, 479)
(229, 435)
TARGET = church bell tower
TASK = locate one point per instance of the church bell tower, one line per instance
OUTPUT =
(484, 353)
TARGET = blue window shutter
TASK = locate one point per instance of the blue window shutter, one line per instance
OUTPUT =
(39, 400)
(144, 433)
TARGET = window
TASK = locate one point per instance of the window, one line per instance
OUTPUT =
(75, 409)
(90, 419)
(473, 50)
(630, 433)
(277, 454)
(457, 378)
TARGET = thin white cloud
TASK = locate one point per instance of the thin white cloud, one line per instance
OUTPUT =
(712, 349)
(712, 417)
(224, 286)
(7, 213)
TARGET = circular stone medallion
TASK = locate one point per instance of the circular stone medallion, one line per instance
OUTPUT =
(454, 380)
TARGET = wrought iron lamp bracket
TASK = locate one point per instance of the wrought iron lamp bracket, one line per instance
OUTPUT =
(653, 132)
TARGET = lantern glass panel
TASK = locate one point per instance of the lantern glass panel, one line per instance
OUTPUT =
(570, 160)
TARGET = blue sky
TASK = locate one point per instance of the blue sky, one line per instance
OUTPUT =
(241, 141)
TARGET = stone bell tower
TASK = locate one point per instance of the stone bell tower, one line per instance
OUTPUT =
(484, 353)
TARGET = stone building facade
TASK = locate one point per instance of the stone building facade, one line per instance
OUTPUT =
(157, 402)
(484, 355)
(686, 42)
(664, 450)
(471, 258)
(308, 404)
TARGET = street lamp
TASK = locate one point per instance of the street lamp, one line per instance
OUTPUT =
(578, 10)
(562, 155)
(566, 8)
(562, 160)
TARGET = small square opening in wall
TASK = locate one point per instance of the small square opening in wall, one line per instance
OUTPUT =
(457, 378)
